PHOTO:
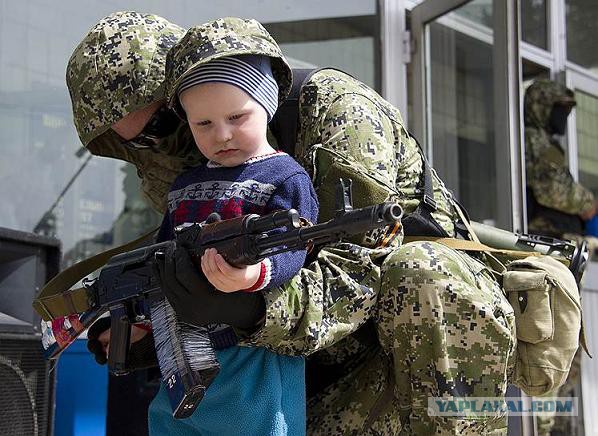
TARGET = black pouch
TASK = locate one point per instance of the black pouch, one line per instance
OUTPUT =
(421, 222)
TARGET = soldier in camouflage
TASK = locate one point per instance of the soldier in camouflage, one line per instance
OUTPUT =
(557, 203)
(439, 324)
(116, 73)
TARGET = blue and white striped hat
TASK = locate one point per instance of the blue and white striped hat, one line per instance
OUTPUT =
(251, 73)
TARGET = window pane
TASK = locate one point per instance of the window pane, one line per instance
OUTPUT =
(462, 111)
(533, 23)
(347, 43)
(582, 16)
(478, 11)
(39, 144)
(532, 71)
(586, 114)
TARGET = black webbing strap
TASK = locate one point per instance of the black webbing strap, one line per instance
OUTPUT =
(428, 198)
(285, 122)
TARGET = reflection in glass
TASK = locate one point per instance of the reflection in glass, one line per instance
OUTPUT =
(582, 16)
(462, 115)
(478, 11)
(533, 23)
(586, 114)
(347, 43)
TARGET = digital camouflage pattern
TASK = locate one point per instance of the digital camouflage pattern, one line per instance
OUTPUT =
(444, 327)
(547, 172)
(117, 69)
(432, 307)
(361, 136)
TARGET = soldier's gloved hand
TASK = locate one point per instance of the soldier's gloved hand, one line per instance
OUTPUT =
(142, 353)
(96, 346)
(195, 300)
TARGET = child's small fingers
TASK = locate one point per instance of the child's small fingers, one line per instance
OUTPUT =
(212, 262)
(223, 266)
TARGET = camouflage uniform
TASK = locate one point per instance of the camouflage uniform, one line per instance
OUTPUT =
(547, 172)
(434, 308)
(117, 69)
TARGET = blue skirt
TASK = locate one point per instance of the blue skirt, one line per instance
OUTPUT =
(257, 392)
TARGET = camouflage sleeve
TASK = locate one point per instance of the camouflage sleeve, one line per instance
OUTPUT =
(357, 141)
(550, 178)
(323, 303)
(334, 295)
(360, 131)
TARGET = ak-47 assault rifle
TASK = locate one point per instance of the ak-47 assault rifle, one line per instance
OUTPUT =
(128, 288)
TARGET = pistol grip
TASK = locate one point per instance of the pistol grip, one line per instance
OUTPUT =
(120, 336)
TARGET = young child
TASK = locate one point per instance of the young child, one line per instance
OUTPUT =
(228, 102)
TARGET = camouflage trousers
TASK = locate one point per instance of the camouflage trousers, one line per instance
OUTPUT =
(444, 329)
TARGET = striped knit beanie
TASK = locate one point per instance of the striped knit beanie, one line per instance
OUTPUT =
(251, 73)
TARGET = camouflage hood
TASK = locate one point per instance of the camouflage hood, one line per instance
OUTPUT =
(221, 38)
(117, 69)
(539, 99)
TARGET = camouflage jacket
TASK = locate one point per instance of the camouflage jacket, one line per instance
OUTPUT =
(115, 70)
(346, 130)
(547, 172)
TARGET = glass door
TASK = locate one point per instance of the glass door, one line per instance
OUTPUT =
(466, 103)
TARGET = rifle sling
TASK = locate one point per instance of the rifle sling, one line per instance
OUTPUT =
(465, 245)
(56, 299)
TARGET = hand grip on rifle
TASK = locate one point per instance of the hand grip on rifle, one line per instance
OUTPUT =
(184, 286)
(132, 284)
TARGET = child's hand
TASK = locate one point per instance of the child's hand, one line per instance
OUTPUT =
(224, 276)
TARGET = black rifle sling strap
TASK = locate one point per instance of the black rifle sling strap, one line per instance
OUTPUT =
(285, 122)
(286, 119)
(421, 221)
(56, 299)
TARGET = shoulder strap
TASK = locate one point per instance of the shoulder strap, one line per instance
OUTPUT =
(467, 245)
(285, 122)
(428, 198)
(56, 300)
(286, 119)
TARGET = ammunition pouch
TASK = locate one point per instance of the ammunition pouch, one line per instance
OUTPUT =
(330, 166)
(548, 320)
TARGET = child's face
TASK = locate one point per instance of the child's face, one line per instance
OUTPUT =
(228, 126)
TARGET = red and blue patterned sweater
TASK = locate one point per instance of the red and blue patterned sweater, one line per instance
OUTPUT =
(260, 185)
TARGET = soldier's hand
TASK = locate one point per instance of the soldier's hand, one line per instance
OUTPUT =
(96, 346)
(195, 300)
(224, 276)
(98, 339)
